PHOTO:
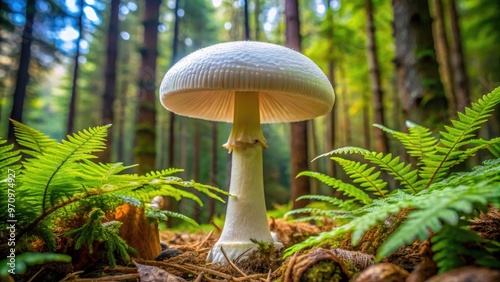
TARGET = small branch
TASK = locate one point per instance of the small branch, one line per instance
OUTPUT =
(36, 274)
(71, 275)
(232, 264)
(199, 245)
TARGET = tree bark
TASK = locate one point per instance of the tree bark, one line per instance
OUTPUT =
(76, 67)
(381, 142)
(460, 78)
(420, 89)
(22, 78)
(257, 21)
(213, 168)
(196, 166)
(331, 121)
(299, 156)
(443, 55)
(108, 98)
(145, 149)
(246, 21)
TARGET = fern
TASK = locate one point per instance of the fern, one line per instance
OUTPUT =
(348, 189)
(364, 176)
(440, 203)
(97, 231)
(59, 180)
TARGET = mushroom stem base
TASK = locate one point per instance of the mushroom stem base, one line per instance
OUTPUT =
(234, 251)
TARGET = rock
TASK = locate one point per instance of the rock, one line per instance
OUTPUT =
(149, 273)
(468, 274)
(168, 253)
(382, 272)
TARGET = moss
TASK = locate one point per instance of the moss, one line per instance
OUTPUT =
(324, 271)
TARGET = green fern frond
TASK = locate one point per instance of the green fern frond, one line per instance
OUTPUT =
(8, 158)
(364, 176)
(455, 245)
(401, 171)
(438, 207)
(418, 142)
(348, 189)
(163, 173)
(318, 213)
(335, 202)
(35, 141)
(163, 215)
(374, 213)
(456, 136)
(42, 174)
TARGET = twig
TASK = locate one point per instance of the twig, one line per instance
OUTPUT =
(71, 275)
(248, 278)
(219, 230)
(211, 271)
(199, 245)
(232, 264)
(36, 274)
(289, 267)
(110, 278)
(200, 276)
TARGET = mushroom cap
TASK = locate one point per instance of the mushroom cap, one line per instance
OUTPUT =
(291, 86)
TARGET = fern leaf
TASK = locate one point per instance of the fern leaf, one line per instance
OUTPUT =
(163, 215)
(35, 141)
(456, 136)
(436, 208)
(342, 204)
(348, 189)
(419, 142)
(364, 176)
(401, 171)
(8, 157)
(57, 167)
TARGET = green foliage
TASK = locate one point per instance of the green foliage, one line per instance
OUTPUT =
(59, 181)
(29, 259)
(108, 233)
(441, 203)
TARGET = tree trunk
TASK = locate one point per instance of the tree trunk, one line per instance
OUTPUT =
(257, 21)
(331, 121)
(213, 168)
(145, 149)
(196, 166)
(420, 89)
(22, 78)
(246, 21)
(171, 121)
(74, 86)
(460, 77)
(299, 156)
(381, 142)
(123, 96)
(108, 98)
(443, 55)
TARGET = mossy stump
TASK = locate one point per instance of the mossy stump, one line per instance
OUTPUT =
(141, 235)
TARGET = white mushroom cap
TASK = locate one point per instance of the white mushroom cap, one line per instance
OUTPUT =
(291, 87)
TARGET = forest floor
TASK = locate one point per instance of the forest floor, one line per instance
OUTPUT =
(184, 259)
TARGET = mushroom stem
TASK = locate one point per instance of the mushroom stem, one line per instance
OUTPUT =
(246, 131)
(246, 209)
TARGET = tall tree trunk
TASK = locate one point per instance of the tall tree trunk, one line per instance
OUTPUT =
(171, 121)
(420, 88)
(22, 78)
(257, 21)
(460, 77)
(72, 102)
(123, 96)
(145, 152)
(299, 147)
(196, 166)
(381, 142)
(213, 168)
(443, 55)
(246, 21)
(145, 140)
(109, 95)
(331, 121)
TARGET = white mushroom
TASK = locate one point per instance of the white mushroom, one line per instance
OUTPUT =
(246, 83)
